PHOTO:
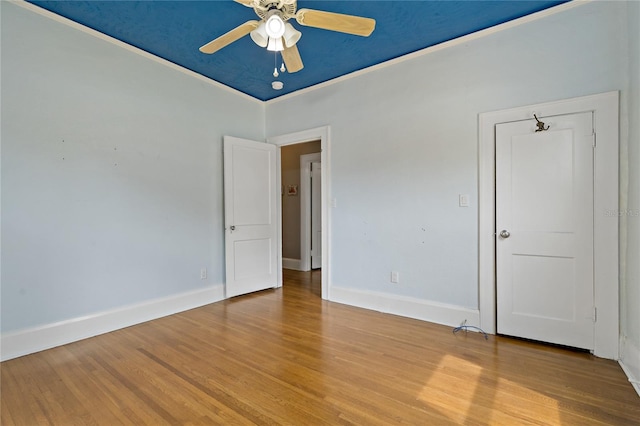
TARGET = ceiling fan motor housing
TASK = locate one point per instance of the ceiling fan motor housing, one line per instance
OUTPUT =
(265, 8)
(286, 9)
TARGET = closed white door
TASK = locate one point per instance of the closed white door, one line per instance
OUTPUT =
(316, 216)
(250, 194)
(544, 230)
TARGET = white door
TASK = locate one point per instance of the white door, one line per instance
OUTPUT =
(250, 192)
(316, 216)
(544, 227)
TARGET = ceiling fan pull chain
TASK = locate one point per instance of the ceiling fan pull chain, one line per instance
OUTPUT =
(275, 64)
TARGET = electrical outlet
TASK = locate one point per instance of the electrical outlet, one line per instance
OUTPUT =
(203, 273)
(463, 200)
(395, 277)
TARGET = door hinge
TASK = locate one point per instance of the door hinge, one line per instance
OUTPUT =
(595, 314)
(593, 139)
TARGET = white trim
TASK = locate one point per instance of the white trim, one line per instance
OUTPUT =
(435, 48)
(295, 264)
(324, 135)
(630, 362)
(130, 48)
(305, 212)
(606, 178)
(410, 307)
(24, 342)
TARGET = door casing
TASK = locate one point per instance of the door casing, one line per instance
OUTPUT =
(606, 198)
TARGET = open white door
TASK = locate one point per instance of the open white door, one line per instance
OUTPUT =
(544, 223)
(250, 194)
(316, 215)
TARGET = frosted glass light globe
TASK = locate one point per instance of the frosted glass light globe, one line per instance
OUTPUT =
(275, 26)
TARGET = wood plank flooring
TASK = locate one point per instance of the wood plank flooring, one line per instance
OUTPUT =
(286, 357)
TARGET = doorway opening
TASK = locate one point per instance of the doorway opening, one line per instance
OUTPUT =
(304, 224)
(301, 183)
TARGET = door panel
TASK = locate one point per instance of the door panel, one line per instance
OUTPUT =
(544, 200)
(250, 216)
(535, 280)
(252, 258)
(542, 176)
(250, 189)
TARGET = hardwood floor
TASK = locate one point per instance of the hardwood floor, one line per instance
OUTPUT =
(287, 357)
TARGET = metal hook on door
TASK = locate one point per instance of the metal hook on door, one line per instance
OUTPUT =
(540, 125)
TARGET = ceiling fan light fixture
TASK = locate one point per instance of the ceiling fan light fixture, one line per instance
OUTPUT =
(275, 26)
(259, 35)
(291, 35)
(275, 44)
(274, 33)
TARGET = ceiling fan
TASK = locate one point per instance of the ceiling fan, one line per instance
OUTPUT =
(276, 34)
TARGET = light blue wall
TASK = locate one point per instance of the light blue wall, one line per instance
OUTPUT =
(111, 173)
(404, 144)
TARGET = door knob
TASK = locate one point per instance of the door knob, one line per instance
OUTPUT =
(233, 228)
(505, 234)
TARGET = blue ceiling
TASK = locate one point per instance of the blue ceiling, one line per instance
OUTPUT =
(175, 29)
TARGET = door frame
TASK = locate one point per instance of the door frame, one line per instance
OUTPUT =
(305, 208)
(322, 134)
(606, 199)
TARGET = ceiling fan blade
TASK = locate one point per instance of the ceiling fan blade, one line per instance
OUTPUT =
(248, 3)
(292, 59)
(230, 37)
(349, 24)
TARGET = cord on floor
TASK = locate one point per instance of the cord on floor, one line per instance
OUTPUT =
(466, 328)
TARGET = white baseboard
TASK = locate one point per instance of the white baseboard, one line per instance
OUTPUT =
(291, 264)
(630, 362)
(24, 342)
(425, 310)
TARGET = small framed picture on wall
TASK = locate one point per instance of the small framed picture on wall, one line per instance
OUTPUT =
(292, 189)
